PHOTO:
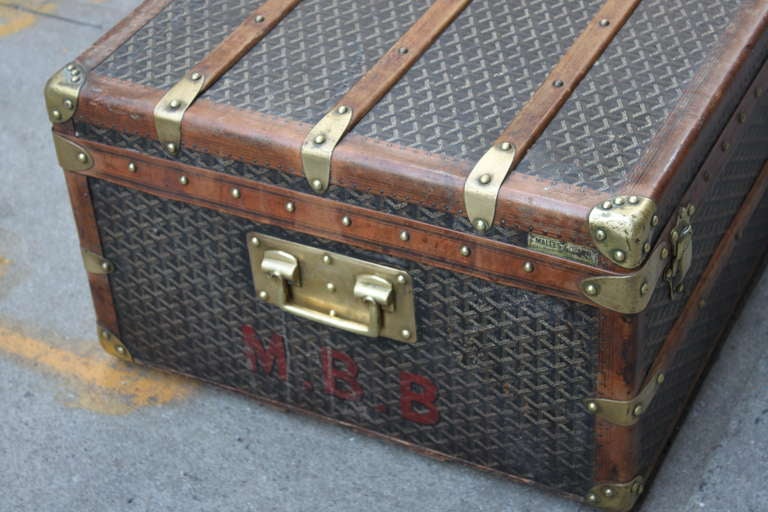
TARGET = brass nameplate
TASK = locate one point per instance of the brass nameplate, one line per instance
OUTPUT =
(562, 249)
(346, 293)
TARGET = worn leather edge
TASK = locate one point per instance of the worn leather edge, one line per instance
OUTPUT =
(120, 33)
(368, 229)
(674, 144)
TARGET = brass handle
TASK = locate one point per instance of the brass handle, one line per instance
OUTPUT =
(373, 291)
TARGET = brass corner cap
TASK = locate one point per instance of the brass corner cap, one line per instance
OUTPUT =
(112, 345)
(622, 229)
(618, 497)
(626, 413)
(72, 156)
(62, 91)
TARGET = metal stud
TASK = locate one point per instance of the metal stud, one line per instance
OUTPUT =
(317, 185)
(619, 255)
(82, 157)
(674, 236)
(259, 18)
(68, 104)
(343, 109)
(592, 407)
(235, 193)
(680, 288)
(174, 104)
(196, 76)
(330, 287)
(402, 51)
(56, 114)
(600, 235)
(132, 167)
(346, 221)
(105, 266)
(592, 497)
(655, 221)
(558, 83)
(290, 207)
(638, 410)
(618, 201)
(591, 290)
(647, 247)
(184, 180)
(664, 253)
(170, 147)
(75, 72)
(70, 67)
(405, 333)
(402, 279)
(465, 251)
(633, 199)
(120, 349)
(644, 288)
(405, 236)
(691, 210)
(485, 179)
(608, 492)
(481, 225)
(528, 267)
(607, 205)
(505, 146)
(660, 378)
(327, 259)
(255, 241)
(75, 78)
(263, 295)
(319, 139)
(604, 22)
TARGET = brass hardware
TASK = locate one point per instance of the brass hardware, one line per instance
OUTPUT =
(95, 263)
(562, 249)
(62, 91)
(113, 346)
(528, 267)
(317, 150)
(619, 497)
(236, 193)
(346, 221)
(290, 207)
(627, 293)
(682, 251)
(481, 189)
(170, 111)
(465, 251)
(347, 293)
(622, 229)
(605, 22)
(625, 412)
(72, 156)
(405, 236)
(132, 167)
(184, 180)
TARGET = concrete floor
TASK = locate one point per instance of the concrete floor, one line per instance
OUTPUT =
(81, 431)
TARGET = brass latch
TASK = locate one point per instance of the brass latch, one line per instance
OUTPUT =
(346, 293)
(682, 251)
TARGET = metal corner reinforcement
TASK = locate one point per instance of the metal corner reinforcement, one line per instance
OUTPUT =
(625, 412)
(170, 110)
(619, 497)
(62, 91)
(317, 150)
(622, 229)
(112, 345)
(95, 263)
(71, 156)
(481, 189)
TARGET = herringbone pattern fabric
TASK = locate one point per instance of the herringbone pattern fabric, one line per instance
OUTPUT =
(658, 422)
(466, 89)
(511, 366)
(164, 49)
(289, 181)
(710, 224)
(612, 116)
(315, 55)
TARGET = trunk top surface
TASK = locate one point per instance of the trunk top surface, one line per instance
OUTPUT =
(451, 104)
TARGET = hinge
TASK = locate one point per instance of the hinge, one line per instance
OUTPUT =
(631, 293)
(95, 263)
(481, 189)
(112, 345)
(317, 150)
(616, 497)
(62, 91)
(622, 229)
(72, 156)
(625, 412)
(170, 110)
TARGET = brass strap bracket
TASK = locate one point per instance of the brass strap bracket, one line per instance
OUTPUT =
(625, 412)
(318, 147)
(170, 110)
(95, 263)
(616, 497)
(62, 91)
(622, 229)
(481, 189)
(112, 345)
(631, 293)
(72, 156)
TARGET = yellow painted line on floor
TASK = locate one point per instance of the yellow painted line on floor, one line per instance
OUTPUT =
(14, 20)
(97, 381)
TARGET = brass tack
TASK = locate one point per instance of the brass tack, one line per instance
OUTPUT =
(259, 18)
(132, 167)
(82, 157)
(319, 139)
(607, 205)
(592, 290)
(604, 22)
(618, 201)
(343, 109)
(70, 67)
(405, 236)
(402, 51)
(235, 193)
(505, 146)
(174, 104)
(184, 180)
(105, 266)
(592, 497)
(330, 287)
(75, 78)
(68, 104)
(255, 241)
(660, 378)
(317, 185)
(619, 255)
(675, 236)
(402, 279)
(263, 295)
(56, 114)
(290, 207)
(485, 179)
(528, 267)
(608, 492)
(647, 247)
(655, 221)
(75, 71)
(634, 199)
(405, 333)
(170, 147)
(346, 220)
(120, 349)
(196, 76)
(558, 83)
(465, 251)
(592, 406)
(481, 225)
(638, 410)
(327, 259)
(644, 288)
(664, 253)
(600, 235)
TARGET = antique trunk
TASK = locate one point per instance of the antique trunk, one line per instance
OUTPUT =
(504, 233)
